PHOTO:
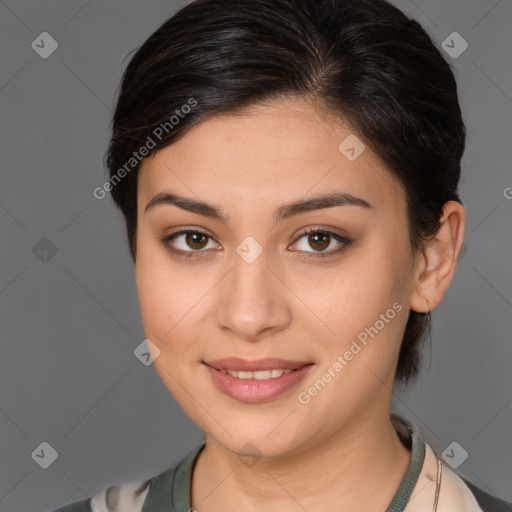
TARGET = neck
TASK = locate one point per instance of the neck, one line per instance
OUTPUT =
(333, 474)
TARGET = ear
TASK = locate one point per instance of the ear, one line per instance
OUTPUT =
(437, 261)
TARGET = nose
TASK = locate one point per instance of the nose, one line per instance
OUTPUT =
(254, 299)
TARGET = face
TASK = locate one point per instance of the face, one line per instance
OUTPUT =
(323, 288)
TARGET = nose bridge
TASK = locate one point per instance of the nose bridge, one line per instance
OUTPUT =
(250, 272)
(250, 279)
(253, 299)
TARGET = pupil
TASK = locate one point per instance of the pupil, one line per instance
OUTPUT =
(325, 236)
(191, 239)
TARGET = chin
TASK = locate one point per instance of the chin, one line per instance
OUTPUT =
(257, 444)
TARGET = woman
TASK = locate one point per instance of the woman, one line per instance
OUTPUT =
(288, 174)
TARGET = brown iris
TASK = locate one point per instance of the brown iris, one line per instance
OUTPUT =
(191, 240)
(315, 237)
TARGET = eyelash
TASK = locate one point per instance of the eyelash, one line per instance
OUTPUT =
(194, 254)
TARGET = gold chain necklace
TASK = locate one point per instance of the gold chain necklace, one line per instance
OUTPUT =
(438, 482)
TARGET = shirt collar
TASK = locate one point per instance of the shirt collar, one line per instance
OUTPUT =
(170, 491)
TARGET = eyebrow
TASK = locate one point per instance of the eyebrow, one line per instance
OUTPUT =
(283, 212)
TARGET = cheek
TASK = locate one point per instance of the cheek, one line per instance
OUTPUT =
(161, 292)
(366, 303)
(359, 291)
(171, 302)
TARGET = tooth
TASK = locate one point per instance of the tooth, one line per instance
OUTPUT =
(259, 374)
(263, 374)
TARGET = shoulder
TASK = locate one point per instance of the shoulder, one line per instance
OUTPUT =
(142, 495)
(449, 490)
(486, 501)
(457, 492)
(126, 497)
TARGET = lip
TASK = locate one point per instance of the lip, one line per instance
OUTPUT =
(267, 363)
(253, 390)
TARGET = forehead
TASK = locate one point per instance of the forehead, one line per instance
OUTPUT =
(282, 149)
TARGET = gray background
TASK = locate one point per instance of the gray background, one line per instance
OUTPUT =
(70, 320)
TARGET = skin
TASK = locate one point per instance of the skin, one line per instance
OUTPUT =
(326, 454)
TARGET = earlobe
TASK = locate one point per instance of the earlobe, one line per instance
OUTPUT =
(439, 259)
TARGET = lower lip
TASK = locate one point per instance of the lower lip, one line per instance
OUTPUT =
(256, 391)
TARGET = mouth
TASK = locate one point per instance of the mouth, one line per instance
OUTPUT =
(242, 368)
(257, 380)
(259, 374)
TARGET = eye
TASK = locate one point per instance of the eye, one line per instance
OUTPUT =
(190, 239)
(194, 243)
(320, 240)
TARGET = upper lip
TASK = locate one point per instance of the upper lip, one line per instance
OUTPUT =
(267, 363)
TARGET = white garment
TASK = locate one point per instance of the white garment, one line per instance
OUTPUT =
(454, 494)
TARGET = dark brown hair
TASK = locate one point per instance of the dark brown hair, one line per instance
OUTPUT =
(363, 60)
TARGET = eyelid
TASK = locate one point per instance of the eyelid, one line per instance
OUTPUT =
(341, 239)
(319, 229)
(185, 231)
